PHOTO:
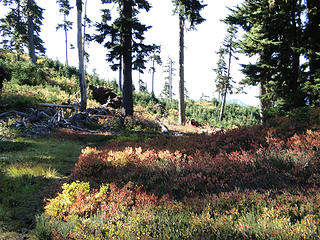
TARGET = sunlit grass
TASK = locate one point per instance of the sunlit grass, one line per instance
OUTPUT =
(38, 170)
(43, 154)
(29, 166)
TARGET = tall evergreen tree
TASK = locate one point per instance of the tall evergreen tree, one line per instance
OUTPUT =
(66, 25)
(221, 72)
(273, 34)
(224, 80)
(170, 70)
(312, 50)
(155, 59)
(187, 10)
(166, 93)
(12, 28)
(21, 27)
(125, 41)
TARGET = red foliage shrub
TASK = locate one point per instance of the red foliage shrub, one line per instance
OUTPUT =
(244, 158)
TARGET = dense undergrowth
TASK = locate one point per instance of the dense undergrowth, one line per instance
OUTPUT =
(49, 81)
(247, 183)
(205, 112)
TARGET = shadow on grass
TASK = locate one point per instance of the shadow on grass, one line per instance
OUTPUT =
(30, 170)
(21, 199)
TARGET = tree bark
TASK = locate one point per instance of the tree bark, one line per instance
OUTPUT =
(264, 103)
(66, 38)
(127, 103)
(153, 70)
(223, 104)
(120, 73)
(170, 80)
(31, 46)
(82, 80)
(18, 44)
(182, 117)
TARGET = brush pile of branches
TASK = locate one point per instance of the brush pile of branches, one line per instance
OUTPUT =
(52, 116)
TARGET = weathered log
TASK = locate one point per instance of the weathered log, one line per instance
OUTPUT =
(57, 105)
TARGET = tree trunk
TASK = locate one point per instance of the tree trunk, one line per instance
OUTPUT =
(263, 103)
(170, 81)
(66, 39)
(298, 100)
(120, 73)
(182, 117)
(127, 103)
(18, 44)
(153, 70)
(85, 60)
(224, 97)
(82, 80)
(31, 46)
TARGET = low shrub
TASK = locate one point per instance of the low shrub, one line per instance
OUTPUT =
(247, 183)
(23, 96)
(139, 124)
(27, 73)
(129, 213)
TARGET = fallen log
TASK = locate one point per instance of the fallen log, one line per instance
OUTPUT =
(58, 105)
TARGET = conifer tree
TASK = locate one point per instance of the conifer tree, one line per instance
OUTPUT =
(187, 10)
(30, 19)
(170, 70)
(273, 34)
(66, 25)
(155, 59)
(224, 74)
(312, 50)
(221, 72)
(21, 27)
(166, 93)
(12, 28)
(124, 39)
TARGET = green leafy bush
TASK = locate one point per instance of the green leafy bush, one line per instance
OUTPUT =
(136, 123)
(60, 205)
(145, 99)
(129, 213)
(58, 68)
(297, 119)
(27, 73)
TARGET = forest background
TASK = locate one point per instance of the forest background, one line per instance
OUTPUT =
(200, 47)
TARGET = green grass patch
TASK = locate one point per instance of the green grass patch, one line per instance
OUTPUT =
(28, 167)
(9, 146)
